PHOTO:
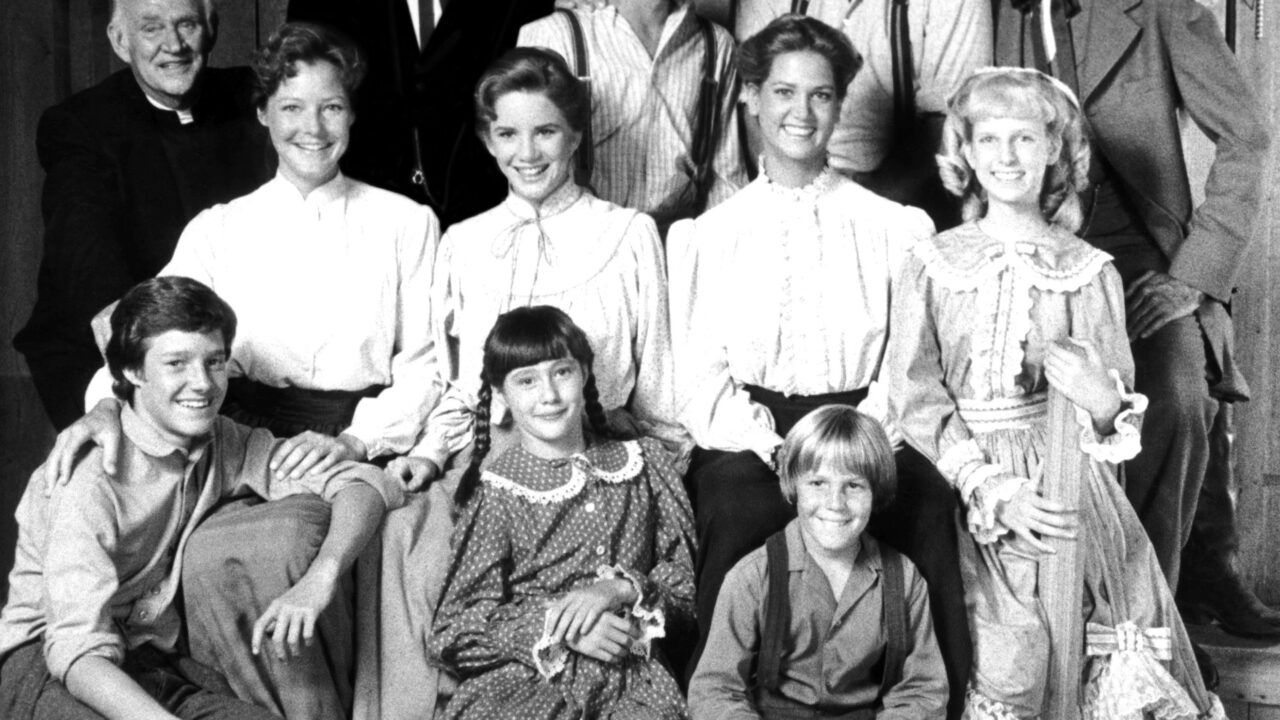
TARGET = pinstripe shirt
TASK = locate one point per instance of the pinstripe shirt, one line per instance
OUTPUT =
(644, 109)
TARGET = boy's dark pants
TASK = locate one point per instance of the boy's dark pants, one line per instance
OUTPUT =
(181, 685)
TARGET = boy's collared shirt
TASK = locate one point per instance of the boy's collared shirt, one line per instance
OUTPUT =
(98, 564)
(834, 645)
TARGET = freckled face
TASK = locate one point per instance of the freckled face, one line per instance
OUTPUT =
(547, 405)
(532, 143)
(833, 507)
(1009, 157)
(309, 119)
(797, 106)
(181, 384)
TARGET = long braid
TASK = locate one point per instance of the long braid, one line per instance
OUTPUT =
(595, 411)
(479, 449)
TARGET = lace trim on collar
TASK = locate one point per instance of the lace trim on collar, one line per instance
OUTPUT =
(581, 468)
(825, 182)
(966, 259)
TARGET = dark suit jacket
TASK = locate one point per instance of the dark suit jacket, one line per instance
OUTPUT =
(122, 180)
(1144, 60)
(430, 91)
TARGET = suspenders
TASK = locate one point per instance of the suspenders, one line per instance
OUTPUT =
(706, 119)
(777, 616)
(585, 159)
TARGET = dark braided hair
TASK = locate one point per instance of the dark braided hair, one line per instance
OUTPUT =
(522, 337)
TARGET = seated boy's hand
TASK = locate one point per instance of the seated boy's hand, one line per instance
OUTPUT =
(291, 618)
(576, 614)
(414, 472)
(314, 453)
(608, 640)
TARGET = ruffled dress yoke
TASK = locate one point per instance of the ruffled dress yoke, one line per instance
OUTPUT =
(538, 529)
(973, 322)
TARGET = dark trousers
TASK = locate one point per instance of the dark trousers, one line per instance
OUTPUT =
(738, 504)
(182, 686)
(240, 559)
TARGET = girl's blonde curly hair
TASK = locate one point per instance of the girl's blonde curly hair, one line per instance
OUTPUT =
(1015, 92)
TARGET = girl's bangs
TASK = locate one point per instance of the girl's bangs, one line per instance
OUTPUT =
(1006, 97)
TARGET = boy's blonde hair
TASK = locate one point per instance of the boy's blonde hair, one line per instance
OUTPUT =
(1021, 93)
(841, 438)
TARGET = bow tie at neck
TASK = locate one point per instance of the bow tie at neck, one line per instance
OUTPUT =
(510, 243)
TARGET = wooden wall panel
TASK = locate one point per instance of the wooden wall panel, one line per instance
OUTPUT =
(1258, 336)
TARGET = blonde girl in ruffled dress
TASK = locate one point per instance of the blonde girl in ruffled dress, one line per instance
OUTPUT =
(987, 320)
(572, 552)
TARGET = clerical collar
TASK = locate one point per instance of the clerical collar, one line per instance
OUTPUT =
(184, 116)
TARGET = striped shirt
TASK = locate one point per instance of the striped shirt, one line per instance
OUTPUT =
(644, 109)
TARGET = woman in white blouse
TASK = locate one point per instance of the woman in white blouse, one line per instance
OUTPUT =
(330, 280)
(551, 242)
(780, 299)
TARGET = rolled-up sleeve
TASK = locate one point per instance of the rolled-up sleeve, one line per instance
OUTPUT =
(246, 458)
(79, 582)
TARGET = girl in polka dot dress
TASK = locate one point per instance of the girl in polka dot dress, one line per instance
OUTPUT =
(573, 551)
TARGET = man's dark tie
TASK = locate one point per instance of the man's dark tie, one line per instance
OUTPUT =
(1063, 65)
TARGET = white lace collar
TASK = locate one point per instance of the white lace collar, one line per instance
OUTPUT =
(582, 466)
(966, 259)
(825, 182)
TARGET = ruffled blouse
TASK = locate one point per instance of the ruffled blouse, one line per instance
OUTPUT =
(973, 321)
(783, 288)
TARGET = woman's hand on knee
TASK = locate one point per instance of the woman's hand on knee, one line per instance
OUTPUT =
(312, 452)
(101, 427)
(608, 641)
(414, 472)
(1028, 515)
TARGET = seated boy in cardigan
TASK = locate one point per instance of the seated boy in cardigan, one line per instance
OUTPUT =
(93, 626)
(823, 618)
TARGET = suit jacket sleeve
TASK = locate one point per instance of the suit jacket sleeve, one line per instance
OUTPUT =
(84, 265)
(1224, 106)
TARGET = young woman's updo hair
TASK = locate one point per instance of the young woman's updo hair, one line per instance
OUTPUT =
(798, 33)
(154, 307)
(305, 43)
(519, 338)
(532, 69)
(1018, 93)
(841, 439)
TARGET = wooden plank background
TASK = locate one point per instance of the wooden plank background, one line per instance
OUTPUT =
(50, 48)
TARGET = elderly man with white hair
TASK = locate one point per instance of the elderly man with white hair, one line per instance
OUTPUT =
(128, 162)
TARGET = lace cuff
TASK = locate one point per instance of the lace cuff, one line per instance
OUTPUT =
(549, 656)
(1126, 441)
(957, 458)
(997, 487)
(1127, 680)
(645, 613)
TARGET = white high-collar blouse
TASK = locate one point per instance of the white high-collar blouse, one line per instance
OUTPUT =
(783, 288)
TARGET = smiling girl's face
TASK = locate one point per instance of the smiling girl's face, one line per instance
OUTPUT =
(309, 118)
(797, 106)
(532, 143)
(547, 404)
(1009, 157)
